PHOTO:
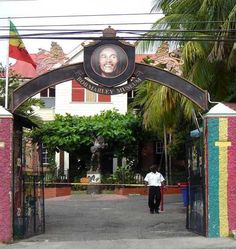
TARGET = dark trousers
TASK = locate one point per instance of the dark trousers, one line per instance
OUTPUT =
(154, 198)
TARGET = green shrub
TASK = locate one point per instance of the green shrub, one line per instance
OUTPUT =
(124, 175)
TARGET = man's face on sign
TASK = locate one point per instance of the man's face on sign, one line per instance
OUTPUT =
(108, 60)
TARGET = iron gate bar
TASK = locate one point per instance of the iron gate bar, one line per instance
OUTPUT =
(195, 219)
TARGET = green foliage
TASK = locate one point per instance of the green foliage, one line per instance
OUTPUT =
(51, 174)
(108, 179)
(209, 64)
(177, 147)
(13, 83)
(179, 176)
(148, 60)
(124, 175)
(76, 134)
(27, 108)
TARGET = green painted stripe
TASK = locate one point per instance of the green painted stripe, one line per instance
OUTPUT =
(213, 178)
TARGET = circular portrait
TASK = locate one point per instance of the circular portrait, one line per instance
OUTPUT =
(109, 61)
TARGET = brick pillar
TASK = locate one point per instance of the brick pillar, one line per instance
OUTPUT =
(6, 124)
(220, 171)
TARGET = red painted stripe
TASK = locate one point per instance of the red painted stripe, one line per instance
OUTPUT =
(206, 134)
(232, 173)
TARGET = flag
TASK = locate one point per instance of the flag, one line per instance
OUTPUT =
(17, 48)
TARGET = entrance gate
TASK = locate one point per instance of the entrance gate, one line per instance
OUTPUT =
(28, 185)
(31, 218)
(26, 199)
(195, 219)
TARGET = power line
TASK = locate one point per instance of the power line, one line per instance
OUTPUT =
(79, 24)
(89, 15)
(124, 30)
(142, 38)
(116, 23)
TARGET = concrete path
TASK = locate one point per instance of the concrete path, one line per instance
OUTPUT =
(116, 222)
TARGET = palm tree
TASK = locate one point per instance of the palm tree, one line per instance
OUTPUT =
(203, 30)
(206, 30)
(205, 33)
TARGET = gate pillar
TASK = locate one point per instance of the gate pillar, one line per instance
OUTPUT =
(6, 131)
(220, 131)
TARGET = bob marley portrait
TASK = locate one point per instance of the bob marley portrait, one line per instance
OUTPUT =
(109, 61)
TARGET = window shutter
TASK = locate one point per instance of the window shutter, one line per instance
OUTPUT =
(104, 98)
(77, 92)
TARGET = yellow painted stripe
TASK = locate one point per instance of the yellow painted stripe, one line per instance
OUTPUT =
(223, 144)
(223, 176)
(16, 42)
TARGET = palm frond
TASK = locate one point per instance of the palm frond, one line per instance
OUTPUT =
(223, 49)
(232, 58)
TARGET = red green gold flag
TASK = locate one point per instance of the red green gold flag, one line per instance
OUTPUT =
(17, 48)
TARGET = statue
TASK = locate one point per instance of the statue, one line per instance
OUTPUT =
(96, 149)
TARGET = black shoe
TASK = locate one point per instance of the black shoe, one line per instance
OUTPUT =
(157, 211)
(151, 212)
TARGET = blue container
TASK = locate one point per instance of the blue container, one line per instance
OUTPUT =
(184, 191)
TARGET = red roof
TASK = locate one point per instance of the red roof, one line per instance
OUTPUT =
(45, 63)
(139, 57)
(231, 105)
(24, 69)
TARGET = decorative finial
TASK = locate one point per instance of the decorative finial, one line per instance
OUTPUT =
(109, 32)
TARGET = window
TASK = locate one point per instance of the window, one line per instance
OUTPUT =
(131, 94)
(48, 97)
(80, 94)
(90, 96)
(159, 147)
(49, 92)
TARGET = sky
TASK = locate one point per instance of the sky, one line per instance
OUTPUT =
(18, 10)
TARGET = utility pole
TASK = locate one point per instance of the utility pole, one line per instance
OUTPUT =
(166, 159)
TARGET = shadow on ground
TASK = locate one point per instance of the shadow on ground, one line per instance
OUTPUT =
(82, 217)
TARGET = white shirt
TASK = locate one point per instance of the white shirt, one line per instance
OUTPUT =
(154, 179)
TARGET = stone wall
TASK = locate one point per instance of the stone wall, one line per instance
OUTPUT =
(6, 176)
(221, 175)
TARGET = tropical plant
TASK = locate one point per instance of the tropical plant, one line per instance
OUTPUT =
(27, 108)
(76, 134)
(124, 175)
(204, 32)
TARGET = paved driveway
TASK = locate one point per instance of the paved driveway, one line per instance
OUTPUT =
(116, 222)
(109, 217)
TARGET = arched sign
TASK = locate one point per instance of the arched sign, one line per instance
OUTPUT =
(142, 72)
(109, 68)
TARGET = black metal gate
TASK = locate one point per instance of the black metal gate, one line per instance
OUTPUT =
(196, 221)
(28, 190)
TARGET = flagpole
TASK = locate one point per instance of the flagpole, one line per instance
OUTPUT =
(7, 70)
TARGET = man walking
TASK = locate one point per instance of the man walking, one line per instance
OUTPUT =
(154, 181)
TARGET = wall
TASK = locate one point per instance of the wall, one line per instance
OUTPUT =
(51, 192)
(6, 176)
(65, 105)
(221, 175)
